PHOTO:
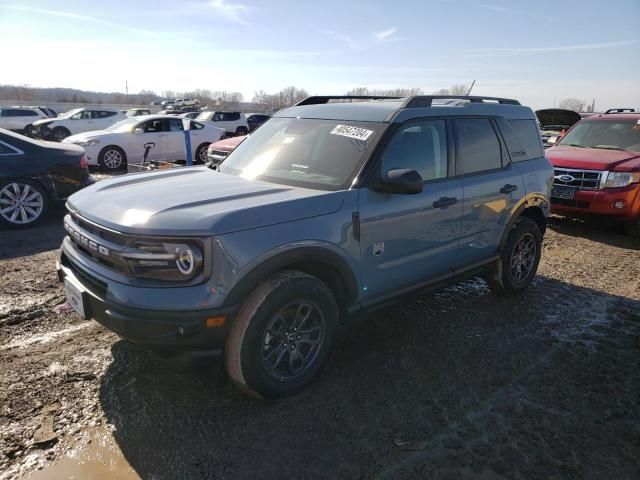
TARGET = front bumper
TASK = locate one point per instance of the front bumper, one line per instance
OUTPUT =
(601, 202)
(162, 331)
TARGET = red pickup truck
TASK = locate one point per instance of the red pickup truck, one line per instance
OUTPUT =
(597, 169)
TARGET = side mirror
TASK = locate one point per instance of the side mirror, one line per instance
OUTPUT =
(138, 131)
(401, 180)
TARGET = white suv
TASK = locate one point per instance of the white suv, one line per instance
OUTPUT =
(76, 121)
(186, 102)
(19, 119)
(234, 123)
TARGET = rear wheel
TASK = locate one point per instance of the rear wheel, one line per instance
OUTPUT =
(23, 203)
(201, 154)
(519, 259)
(60, 133)
(112, 158)
(282, 336)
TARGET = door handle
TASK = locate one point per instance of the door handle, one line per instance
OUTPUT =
(508, 188)
(444, 202)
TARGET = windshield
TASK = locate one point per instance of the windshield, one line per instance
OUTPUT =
(71, 112)
(605, 134)
(123, 125)
(204, 116)
(324, 154)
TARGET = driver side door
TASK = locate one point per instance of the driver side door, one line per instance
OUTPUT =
(407, 240)
(154, 132)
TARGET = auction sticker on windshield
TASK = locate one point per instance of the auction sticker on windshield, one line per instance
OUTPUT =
(352, 132)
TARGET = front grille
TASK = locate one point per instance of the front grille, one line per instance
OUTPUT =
(582, 179)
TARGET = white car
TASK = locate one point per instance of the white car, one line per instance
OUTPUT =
(186, 102)
(124, 142)
(76, 121)
(235, 123)
(19, 119)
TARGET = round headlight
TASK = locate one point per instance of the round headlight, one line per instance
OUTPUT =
(185, 261)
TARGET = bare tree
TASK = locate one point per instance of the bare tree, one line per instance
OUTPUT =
(393, 92)
(574, 104)
(282, 99)
(458, 89)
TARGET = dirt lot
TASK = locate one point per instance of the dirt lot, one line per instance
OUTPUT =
(456, 384)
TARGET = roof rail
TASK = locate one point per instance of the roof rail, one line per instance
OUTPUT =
(320, 99)
(421, 101)
(620, 110)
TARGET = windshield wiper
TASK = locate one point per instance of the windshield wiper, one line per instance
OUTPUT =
(573, 145)
(610, 148)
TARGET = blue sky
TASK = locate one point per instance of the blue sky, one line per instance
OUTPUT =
(536, 51)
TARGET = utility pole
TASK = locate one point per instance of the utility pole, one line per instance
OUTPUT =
(126, 89)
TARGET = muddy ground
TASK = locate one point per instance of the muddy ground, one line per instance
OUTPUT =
(455, 384)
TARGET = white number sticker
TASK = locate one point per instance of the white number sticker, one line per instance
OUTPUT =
(352, 132)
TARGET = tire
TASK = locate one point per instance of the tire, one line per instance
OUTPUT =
(29, 209)
(240, 131)
(29, 131)
(112, 158)
(632, 228)
(266, 354)
(519, 259)
(201, 154)
(59, 133)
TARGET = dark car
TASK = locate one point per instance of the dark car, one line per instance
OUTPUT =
(34, 174)
(256, 119)
(554, 122)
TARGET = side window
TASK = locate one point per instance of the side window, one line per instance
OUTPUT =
(526, 131)
(152, 126)
(420, 146)
(477, 146)
(217, 117)
(84, 115)
(196, 126)
(175, 125)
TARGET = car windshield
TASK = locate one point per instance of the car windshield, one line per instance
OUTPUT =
(70, 113)
(323, 154)
(123, 125)
(615, 134)
(204, 116)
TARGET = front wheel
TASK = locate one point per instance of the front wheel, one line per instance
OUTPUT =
(282, 336)
(240, 131)
(519, 259)
(23, 203)
(112, 158)
(29, 131)
(60, 133)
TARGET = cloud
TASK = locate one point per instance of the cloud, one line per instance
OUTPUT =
(353, 45)
(385, 34)
(563, 48)
(74, 16)
(231, 11)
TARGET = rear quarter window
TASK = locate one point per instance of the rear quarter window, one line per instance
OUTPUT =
(522, 138)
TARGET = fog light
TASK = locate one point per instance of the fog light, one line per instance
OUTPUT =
(619, 204)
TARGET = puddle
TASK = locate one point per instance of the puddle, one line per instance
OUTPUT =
(99, 459)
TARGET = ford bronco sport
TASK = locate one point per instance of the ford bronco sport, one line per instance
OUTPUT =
(332, 207)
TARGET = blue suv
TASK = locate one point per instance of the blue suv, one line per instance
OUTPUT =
(335, 206)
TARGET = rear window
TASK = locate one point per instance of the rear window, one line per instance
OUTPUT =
(522, 138)
(17, 112)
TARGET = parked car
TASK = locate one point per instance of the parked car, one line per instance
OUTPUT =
(186, 102)
(326, 210)
(554, 122)
(124, 141)
(235, 123)
(34, 175)
(219, 150)
(76, 121)
(137, 112)
(166, 103)
(254, 120)
(19, 119)
(597, 169)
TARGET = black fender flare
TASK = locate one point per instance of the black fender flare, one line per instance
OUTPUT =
(530, 201)
(291, 259)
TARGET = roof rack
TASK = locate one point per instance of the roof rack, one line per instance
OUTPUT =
(417, 101)
(421, 101)
(320, 99)
(620, 110)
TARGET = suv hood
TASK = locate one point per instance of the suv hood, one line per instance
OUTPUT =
(593, 158)
(557, 117)
(196, 201)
